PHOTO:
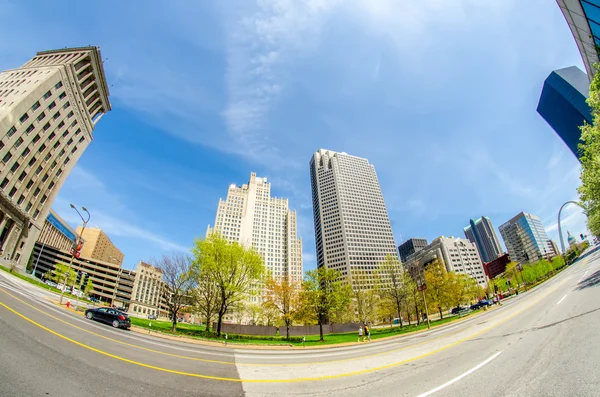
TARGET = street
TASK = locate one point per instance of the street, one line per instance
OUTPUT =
(543, 342)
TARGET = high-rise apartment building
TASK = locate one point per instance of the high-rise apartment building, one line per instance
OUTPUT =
(251, 217)
(48, 110)
(411, 246)
(147, 296)
(481, 233)
(525, 238)
(458, 255)
(97, 245)
(352, 227)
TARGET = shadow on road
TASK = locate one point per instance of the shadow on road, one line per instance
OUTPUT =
(590, 281)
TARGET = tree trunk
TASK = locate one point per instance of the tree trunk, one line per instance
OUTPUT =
(417, 312)
(219, 322)
(441, 313)
(399, 309)
(174, 319)
(321, 328)
(208, 325)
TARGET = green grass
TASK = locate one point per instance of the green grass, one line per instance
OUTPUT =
(40, 284)
(199, 332)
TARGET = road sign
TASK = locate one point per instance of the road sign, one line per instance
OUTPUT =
(422, 287)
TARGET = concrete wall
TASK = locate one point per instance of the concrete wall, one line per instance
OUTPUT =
(247, 329)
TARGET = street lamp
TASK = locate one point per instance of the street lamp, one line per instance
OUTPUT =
(114, 297)
(78, 238)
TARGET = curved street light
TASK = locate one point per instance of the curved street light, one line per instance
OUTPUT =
(562, 242)
(77, 239)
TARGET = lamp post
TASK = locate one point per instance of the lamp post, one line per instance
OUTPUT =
(114, 297)
(78, 237)
(38, 260)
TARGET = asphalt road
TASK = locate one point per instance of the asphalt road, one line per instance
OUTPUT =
(544, 342)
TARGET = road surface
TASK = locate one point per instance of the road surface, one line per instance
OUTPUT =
(544, 342)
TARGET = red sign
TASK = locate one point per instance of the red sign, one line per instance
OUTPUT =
(422, 287)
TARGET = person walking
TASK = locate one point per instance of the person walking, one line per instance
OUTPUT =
(368, 332)
(360, 334)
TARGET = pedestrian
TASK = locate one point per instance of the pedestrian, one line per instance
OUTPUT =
(360, 334)
(368, 332)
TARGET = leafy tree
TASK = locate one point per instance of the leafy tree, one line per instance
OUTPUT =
(179, 276)
(391, 286)
(436, 279)
(254, 312)
(61, 275)
(268, 314)
(365, 300)
(232, 267)
(206, 297)
(284, 296)
(461, 289)
(323, 294)
(88, 287)
(414, 301)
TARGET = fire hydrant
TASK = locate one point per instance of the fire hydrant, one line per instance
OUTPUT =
(68, 304)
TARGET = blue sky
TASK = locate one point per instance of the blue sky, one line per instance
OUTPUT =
(439, 95)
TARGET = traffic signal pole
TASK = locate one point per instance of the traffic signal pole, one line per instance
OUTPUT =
(74, 251)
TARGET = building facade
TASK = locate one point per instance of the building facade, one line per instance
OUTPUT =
(353, 233)
(251, 217)
(497, 266)
(148, 292)
(97, 245)
(57, 233)
(526, 239)
(48, 110)
(458, 255)
(481, 232)
(411, 246)
(563, 104)
(583, 18)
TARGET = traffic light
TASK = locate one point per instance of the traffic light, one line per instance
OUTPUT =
(582, 236)
(85, 278)
(78, 280)
(76, 248)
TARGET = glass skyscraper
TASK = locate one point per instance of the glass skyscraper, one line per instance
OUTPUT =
(526, 239)
(481, 233)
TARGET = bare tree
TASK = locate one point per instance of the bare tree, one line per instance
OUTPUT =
(391, 285)
(179, 276)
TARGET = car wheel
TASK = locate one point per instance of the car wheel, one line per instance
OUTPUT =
(90, 315)
(115, 323)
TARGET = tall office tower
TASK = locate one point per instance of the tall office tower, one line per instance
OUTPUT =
(411, 246)
(525, 238)
(97, 245)
(481, 233)
(48, 110)
(563, 104)
(250, 216)
(352, 228)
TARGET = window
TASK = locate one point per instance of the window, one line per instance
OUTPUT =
(29, 129)
(11, 131)
(23, 118)
(58, 85)
(66, 160)
(47, 157)
(47, 95)
(22, 176)
(74, 149)
(36, 213)
(29, 185)
(45, 178)
(38, 170)
(51, 136)
(62, 95)
(4, 183)
(41, 116)
(26, 151)
(66, 105)
(7, 157)
(81, 139)
(42, 148)
(52, 105)
(36, 138)
(74, 123)
(59, 172)
(56, 115)
(43, 199)
(56, 145)
(28, 207)
(35, 105)
(70, 114)
(70, 142)
(61, 124)
(12, 192)
(36, 192)
(62, 153)
(32, 161)
(19, 142)
(53, 165)
(46, 126)
(51, 185)
(78, 131)
(15, 167)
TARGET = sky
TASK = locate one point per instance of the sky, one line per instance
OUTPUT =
(440, 96)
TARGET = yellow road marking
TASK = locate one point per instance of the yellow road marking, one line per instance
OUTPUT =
(292, 380)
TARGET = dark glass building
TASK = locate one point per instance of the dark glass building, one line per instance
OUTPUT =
(411, 246)
(563, 104)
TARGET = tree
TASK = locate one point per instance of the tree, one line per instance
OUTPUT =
(284, 296)
(391, 284)
(324, 294)
(410, 278)
(88, 287)
(589, 148)
(436, 279)
(365, 301)
(206, 297)
(179, 276)
(461, 289)
(254, 312)
(268, 314)
(232, 267)
(61, 275)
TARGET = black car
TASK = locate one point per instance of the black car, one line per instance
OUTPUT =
(110, 316)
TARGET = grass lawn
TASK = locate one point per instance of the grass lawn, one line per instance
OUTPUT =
(40, 284)
(199, 332)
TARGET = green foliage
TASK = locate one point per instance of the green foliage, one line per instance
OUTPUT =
(436, 279)
(88, 287)
(62, 275)
(589, 148)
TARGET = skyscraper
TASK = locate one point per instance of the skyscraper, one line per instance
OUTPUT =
(48, 110)
(563, 104)
(481, 233)
(251, 217)
(352, 228)
(411, 246)
(525, 238)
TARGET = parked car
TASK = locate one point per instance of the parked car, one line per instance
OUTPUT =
(110, 316)
(52, 283)
(151, 317)
(460, 309)
(94, 299)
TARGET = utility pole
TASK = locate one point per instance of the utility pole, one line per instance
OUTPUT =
(75, 249)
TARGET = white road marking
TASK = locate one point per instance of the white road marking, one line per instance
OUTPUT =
(582, 276)
(562, 299)
(430, 392)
